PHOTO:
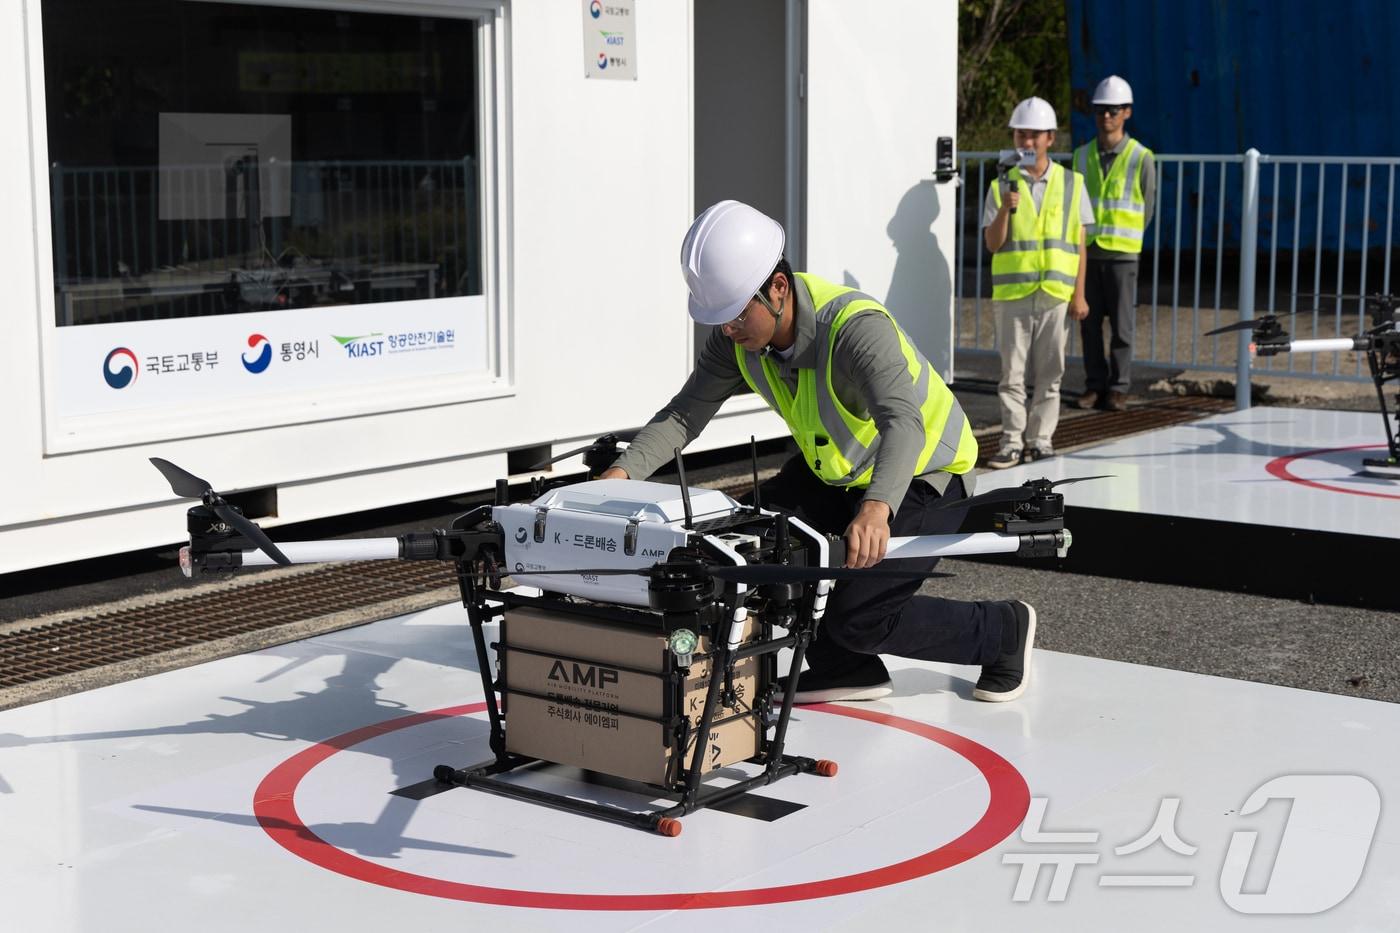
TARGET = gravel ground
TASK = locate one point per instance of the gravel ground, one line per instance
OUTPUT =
(1335, 649)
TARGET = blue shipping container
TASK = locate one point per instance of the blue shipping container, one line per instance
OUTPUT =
(1286, 77)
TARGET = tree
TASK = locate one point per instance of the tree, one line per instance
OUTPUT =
(1009, 50)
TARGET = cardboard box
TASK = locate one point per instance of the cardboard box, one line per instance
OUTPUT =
(617, 744)
(526, 627)
(587, 676)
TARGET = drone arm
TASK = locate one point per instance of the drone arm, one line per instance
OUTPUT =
(736, 624)
(824, 555)
(468, 542)
(1041, 544)
(1326, 345)
(316, 552)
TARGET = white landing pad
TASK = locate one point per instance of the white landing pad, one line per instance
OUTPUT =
(1285, 467)
(254, 793)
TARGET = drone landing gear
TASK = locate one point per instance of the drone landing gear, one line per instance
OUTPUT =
(664, 822)
(1384, 467)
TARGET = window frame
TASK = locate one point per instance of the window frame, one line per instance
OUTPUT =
(70, 433)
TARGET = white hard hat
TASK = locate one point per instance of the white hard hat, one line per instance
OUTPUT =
(1113, 90)
(1033, 114)
(728, 253)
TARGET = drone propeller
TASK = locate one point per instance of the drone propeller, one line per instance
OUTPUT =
(182, 482)
(1022, 493)
(1331, 296)
(188, 486)
(1267, 327)
(761, 574)
(752, 574)
(1267, 324)
(1251, 324)
(1079, 479)
(608, 442)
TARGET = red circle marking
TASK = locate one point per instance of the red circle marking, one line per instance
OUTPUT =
(274, 806)
(1279, 467)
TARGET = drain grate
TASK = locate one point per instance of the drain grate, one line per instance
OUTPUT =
(79, 644)
(74, 645)
(1104, 426)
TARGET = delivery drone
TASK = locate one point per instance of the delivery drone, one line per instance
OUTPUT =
(1380, 343)
(715, 588)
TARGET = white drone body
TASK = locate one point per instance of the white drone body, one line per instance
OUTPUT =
(615, 524)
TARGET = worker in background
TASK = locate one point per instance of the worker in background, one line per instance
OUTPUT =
(1121, 177)
(882, 442)
(1037, 245)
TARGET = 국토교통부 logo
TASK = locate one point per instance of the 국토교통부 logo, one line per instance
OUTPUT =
(120, 378)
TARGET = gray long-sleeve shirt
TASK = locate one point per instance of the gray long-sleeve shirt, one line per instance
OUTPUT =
(869, 375)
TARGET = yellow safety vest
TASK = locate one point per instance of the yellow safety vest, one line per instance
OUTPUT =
(1120, 211)
(1042, 247)
(840, 447)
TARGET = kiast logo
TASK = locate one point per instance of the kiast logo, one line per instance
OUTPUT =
(596, 9)
(264, 357)
(120, 378)
(362, 345)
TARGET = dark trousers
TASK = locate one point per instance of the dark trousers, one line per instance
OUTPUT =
(1110, 288)
(882, 616)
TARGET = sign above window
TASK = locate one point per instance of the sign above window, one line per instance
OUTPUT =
(609, 39)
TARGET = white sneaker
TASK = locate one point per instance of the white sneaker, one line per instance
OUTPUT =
(1007, 456)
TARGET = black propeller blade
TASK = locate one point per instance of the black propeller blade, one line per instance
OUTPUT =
(1022, 493)
(188, 486)
(1250, 324)
(1005, 494)
(1266, 326)
(752, 574)
(606, 442)
(761, 574)
(184, 483)
(1333, 296)
(1080, 479)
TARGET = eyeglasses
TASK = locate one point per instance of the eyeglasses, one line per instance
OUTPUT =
(1110, 110)
(738, 322)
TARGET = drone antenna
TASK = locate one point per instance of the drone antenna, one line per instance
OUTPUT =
(753, 458)
(685, 492)
(502, 492)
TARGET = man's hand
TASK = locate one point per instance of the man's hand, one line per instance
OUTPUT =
(614, 473)
(868, 534)
(1078, 308)
(1011, 200)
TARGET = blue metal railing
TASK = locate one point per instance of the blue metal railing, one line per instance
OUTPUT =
(1205, 210)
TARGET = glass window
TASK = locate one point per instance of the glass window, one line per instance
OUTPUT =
(214, 158)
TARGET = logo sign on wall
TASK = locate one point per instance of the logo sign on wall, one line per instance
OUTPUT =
(146, 367)
(609, 39)
(262, 358)
(120, 368)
